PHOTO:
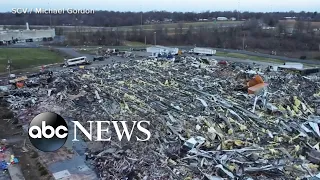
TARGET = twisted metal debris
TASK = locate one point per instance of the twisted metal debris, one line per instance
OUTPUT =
(187, 99)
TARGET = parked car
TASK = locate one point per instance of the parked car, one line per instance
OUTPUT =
(98, 58)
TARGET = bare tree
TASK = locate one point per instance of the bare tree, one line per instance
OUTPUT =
(309, 27)
(180, 27)
(281, 29)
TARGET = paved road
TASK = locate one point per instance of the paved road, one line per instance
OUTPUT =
(309, 61)
(219, 58)
(72, 52)
(23, 45)
(270, 56)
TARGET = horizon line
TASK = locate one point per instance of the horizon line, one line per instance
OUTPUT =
(198, 12)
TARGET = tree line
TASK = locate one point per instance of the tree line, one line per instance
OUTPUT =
(113, 19)
(250, 36)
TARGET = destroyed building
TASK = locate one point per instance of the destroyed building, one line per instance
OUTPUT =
(202, 120)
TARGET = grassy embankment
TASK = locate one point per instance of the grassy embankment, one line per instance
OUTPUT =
(244, 56)
(26, 58)
(257, 58)
(93, 49)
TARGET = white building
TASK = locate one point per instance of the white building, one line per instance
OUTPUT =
(167, 20)
(233, 19)
(222, 19)
(268, 28)
(290, 18)
(156, 50)
(23, 35)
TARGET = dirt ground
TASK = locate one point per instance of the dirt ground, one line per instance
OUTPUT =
(12, 132)
(292, 22)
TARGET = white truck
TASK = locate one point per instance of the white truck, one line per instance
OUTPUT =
(290, 65)
(203, 51)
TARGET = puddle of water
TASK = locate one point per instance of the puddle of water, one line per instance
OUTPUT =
(78, 146)
(77, 164)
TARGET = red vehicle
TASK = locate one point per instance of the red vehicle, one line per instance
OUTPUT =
(223, 62)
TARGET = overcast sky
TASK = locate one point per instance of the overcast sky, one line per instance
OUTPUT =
(168, 5)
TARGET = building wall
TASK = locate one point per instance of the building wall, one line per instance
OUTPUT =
(26, 34)
(156, 50)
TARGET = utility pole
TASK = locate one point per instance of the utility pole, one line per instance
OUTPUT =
(50, 22)
(141, 19)
(243, 39)
(141, 32)
(50, 15)
(9, 67)
(76, 29)
(155, 38)
(145, 40)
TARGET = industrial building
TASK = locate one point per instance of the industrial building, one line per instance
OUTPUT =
(13, 36)
(161, 50)
(222, 19)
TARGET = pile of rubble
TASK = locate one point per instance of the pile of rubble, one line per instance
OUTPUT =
(202, 120)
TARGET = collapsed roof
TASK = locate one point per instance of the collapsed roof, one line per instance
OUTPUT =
(280, 140)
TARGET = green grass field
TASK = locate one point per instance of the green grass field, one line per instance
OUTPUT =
(87, 50)
(152, 27)
(244, 56)
(134, 43)
(257, 58)
(148, 26)
(23, 58)
(184, 25)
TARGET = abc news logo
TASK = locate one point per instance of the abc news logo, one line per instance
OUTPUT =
(48, 131)
(37, 132)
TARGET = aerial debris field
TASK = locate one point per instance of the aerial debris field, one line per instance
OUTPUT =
(202, 120)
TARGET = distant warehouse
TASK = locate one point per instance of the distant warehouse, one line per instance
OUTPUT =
(222, 19)
(27, 35)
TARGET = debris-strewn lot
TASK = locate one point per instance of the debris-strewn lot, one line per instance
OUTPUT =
(10, 133)
(202, 123)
